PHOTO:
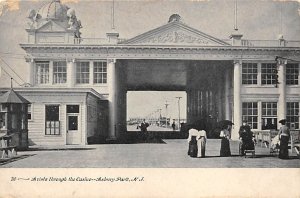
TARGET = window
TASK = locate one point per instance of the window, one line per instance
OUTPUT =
(3, 116)
(293, 115)
(269, 115)
(249, 73)
(250, 113)
(82, 72)
(59, 72)
(268, 76)
(29, 113)
(42, 72)
(100, 72)
(292, 74)
(52, 120)
(72, 108)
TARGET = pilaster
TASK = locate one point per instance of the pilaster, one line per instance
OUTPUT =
(281, 64)
(112, 99)
(237, 110)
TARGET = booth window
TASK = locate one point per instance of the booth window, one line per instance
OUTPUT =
(269, 115)
(59, 72)
(249, 73)
(29, 113)
(3, 116)
(100, 72)
(250, 113)
(52, 120)
(292, 74)
(293, 115)
(42, 72)
(268, 77)
(82, 72)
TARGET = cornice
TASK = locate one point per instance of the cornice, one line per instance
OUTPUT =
(50, 51)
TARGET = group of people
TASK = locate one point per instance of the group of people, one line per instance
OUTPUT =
(197, 140)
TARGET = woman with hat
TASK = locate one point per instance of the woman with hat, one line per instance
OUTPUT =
(225, 144)
(284, 136)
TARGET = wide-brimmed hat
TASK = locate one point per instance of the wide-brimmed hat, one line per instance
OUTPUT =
(283, 121)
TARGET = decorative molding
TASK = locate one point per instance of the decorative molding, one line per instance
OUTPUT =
(158, 52)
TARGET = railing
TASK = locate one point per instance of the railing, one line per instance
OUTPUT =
(270, 43)
(246, 43)
(94, 41)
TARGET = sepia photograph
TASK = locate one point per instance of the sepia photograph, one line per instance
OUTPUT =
(148, 84)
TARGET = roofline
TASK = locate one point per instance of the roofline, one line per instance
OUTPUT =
(60, 90)
(138, 46)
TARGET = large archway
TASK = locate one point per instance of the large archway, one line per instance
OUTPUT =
(207, 83)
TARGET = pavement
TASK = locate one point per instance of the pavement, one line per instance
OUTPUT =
(171, 154)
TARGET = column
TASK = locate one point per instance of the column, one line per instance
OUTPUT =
(237, 113)
(112, 99)
(71, 72)
(226, 95)
(281, 90)
(91, 73)
(30, 78)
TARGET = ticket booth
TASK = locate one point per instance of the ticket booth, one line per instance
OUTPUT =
(13, 120)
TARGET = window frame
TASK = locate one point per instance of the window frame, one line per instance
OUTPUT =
(249, 75)
(56, 65)
(101, 73)
(268, 77)
(269, 106)
(293, 73)
(295, 115)
(55, 122)
(250, 117)
(44, 75)
(79, 78)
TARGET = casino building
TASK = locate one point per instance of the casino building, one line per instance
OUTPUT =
(77, 86)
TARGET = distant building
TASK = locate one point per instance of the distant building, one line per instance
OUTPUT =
(78, 85)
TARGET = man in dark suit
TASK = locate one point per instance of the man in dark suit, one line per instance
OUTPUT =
(246, 137)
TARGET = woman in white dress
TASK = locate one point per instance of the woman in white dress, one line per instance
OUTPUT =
(201, 142)
(197, 139)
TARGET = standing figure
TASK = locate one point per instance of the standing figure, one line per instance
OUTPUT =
(284, 136)
(173, 125)
(194, 135)
(225, 145)
(201, 143)
(144, 125)
(246, 137)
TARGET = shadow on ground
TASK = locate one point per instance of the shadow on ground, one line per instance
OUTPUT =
(13, 159)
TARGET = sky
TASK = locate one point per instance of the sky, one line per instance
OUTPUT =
(152, 101)
(257, 19)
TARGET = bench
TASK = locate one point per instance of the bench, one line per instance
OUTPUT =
(8, 151)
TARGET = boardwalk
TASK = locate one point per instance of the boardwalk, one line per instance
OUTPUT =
(171, 154)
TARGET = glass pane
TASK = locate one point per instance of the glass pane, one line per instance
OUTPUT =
(73, 123)
(52, 113)
(72, 108)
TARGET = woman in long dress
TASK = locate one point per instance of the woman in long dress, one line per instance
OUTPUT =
(225, 145)
(284, 136)
(194, 135)
(201, 143)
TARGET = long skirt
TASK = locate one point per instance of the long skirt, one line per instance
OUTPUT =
(225, 148)
(201, 147)
(283, 148)
(193, 148)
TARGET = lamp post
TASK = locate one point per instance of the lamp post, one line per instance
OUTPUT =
(159, 110)
(167, 104)
(179, 111)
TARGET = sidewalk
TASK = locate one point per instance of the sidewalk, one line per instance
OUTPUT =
(171, 154)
